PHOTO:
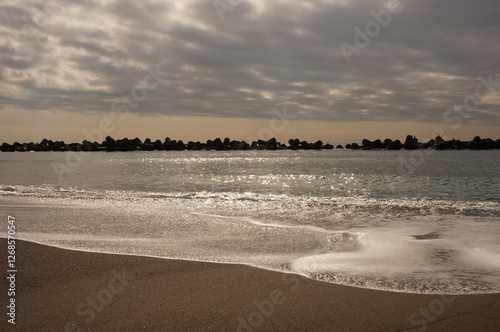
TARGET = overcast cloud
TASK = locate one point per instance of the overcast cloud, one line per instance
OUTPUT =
(80, 56)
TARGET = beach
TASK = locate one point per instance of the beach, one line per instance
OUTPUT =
(249, 166)
(68, 290)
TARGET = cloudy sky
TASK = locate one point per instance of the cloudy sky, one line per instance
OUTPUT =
(336, 70)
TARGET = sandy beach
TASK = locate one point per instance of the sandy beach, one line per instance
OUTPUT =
(66, 290)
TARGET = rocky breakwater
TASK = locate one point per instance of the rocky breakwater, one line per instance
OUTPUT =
(136, 144)
(438, 143)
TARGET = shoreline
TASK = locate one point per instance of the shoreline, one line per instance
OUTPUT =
(195, 261)
(69, 290)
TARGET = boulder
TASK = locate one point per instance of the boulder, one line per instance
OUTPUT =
(158, 145)
(317, 145)
(411, 143)
(387, 142)
(180, 146)
(242, 146)
(439, 139)
(305, 145)
(377, 144)
(430, 143)
(216, 142)
(6, 147)
(396, 145)
(488, 144)
(294, 143)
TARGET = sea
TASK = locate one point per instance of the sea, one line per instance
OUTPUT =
(421, 221)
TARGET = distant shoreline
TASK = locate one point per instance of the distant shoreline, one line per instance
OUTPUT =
(136, 144)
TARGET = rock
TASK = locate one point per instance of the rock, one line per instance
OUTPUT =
(242, 146)
(488, 144)
(271, 142)
(439, 139)
(377, 144)
(261, 142)
(8, 148)
(158, 145)
(317, 145)
(180, 146)
(294, 143)
(340, 147)
(305, 145)
(110, 144)
(445, 145)
(411, 143)
(474, 145)
(460, 145)
(137, 141)
(168, 145)
(39, 147)
(366, 143)
(430, 143)
(396, 145)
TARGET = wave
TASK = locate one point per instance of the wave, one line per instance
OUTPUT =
(344, 207)
(407, 245)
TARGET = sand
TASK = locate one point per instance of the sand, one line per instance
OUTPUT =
(66, 290)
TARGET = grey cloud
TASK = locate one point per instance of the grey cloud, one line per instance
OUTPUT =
(262, 55)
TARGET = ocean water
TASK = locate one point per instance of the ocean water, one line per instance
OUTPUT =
(409, 221)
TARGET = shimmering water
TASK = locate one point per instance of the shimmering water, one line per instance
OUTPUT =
(411, 221)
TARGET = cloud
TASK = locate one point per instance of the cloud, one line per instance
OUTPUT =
(79, 56)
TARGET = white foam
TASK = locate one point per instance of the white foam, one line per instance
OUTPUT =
(464, 254)
(377, 244)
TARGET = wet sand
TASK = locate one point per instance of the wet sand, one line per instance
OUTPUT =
(66, 290)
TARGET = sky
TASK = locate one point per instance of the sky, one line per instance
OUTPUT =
(335, 70)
